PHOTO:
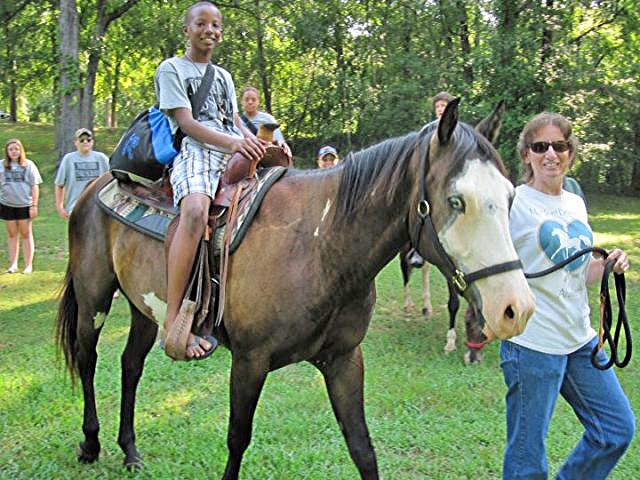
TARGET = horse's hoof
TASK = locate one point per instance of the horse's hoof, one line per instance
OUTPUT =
(408, 308)
(473, 357)
(86, 455)
(133, 462)
(426, 313)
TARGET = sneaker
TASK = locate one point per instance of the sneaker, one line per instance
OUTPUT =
(414, 259)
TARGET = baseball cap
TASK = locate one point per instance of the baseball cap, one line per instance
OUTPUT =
(83, 131)
(326, 150)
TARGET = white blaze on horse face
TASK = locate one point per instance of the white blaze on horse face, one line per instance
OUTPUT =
(479, 237)
(156, 305)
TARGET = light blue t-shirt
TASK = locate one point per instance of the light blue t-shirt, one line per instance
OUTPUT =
(76, 171)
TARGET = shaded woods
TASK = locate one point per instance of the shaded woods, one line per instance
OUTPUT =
(350, 72)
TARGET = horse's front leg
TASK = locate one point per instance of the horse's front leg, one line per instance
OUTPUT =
(247, 380)
(427, 308)
(141, 338)
(453, 306)
(344, 377)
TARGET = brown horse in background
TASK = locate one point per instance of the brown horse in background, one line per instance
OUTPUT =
(301, 285)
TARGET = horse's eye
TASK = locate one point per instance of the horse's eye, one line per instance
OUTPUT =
(457, 203)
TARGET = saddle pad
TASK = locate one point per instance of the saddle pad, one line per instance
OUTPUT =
(152, 221)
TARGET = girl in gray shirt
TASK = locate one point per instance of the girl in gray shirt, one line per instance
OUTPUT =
(19, 192)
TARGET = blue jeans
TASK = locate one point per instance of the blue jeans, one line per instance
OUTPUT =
(534, 380)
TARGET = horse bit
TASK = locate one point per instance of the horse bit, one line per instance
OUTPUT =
(461, 280)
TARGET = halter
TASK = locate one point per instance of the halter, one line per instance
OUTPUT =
(460, 280)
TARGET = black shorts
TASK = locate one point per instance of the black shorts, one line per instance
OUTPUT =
(13, 213)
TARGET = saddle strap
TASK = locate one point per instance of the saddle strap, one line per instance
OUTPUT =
(204, 283)
(224, 257)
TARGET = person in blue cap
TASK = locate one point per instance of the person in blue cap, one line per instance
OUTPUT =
(328, 157)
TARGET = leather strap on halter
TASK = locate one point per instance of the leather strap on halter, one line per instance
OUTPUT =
(460, 280)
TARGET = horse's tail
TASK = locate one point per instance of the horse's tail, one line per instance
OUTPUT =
(66, 324)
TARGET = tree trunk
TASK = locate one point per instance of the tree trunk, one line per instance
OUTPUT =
(69, 78)
(103, 20)
(115, 91)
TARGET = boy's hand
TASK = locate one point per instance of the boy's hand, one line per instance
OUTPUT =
(251, 147)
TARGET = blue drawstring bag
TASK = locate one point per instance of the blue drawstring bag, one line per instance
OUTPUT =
(145, 148)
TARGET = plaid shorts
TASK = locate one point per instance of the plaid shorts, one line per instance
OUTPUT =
(196, 170)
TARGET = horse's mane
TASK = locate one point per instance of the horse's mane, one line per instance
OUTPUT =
(381, 167)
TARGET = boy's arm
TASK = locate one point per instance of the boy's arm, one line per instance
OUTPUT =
(250, 146)
(60, 202)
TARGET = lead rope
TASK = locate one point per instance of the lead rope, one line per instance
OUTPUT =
(604, 332)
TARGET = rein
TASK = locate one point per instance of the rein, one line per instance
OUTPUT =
(604, 333)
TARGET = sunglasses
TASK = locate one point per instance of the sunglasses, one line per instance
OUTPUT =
(542, 147)
(86, 140)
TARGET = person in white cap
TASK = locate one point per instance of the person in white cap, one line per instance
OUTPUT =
(328, 157)
(76, 170)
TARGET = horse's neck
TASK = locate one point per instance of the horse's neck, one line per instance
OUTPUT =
(372, 236)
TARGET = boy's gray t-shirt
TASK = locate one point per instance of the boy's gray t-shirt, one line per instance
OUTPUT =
(177, 78)
(16, 183)
(260, 118)
(76, 171)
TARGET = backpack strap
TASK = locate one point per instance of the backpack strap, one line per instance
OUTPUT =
(248, 124)
(197, 101)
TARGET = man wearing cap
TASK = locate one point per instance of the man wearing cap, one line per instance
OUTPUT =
(327, 157)
(76, 170)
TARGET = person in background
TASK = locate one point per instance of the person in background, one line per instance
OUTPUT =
(328, 157)
(553, 355)
(439, 103)
(253, 117)
(211, 134)
(570, 184)
(76, 170)
(19, 195)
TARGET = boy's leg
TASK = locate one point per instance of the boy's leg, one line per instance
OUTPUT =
(13, 246)
(533, 380)
(28, 246)
(599, 402)
(194, 209)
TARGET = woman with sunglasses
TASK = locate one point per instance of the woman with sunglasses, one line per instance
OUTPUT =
(552, 355)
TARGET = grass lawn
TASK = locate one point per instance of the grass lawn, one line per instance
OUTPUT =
(428, 414)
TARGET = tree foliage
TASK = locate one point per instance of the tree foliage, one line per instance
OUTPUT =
(353, 72)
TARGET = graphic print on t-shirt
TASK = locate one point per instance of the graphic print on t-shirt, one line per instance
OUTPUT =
(559, 241)
(86, 170)
(17, 175)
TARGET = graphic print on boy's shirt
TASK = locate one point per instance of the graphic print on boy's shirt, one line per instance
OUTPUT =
(86, 170)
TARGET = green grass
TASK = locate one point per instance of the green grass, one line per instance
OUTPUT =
(428, 414)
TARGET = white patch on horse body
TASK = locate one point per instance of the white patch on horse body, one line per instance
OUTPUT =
(99, 320)
(326, 210)
(157, 306)
(316, 232)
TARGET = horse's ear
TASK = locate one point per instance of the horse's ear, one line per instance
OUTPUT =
(448, 121)
(489, 127)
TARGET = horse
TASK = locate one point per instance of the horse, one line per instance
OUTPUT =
(300, 286)
(475, 339)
